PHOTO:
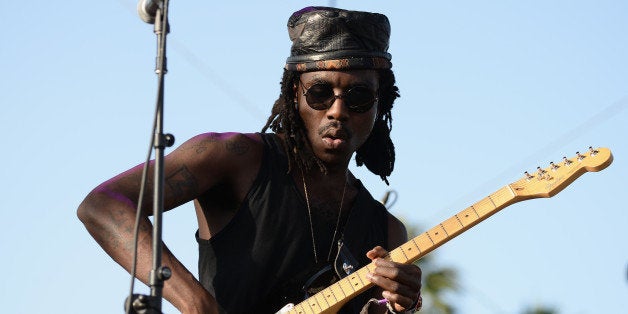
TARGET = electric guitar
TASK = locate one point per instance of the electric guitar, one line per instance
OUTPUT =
(541, 183)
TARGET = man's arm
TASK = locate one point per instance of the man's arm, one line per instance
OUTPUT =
(109, 218)
(108, 212)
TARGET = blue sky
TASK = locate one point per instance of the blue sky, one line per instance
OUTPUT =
(489, 89)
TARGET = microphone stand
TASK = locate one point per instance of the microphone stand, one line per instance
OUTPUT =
(142, 304)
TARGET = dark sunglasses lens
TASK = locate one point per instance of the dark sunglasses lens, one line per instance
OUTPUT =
(360, 99)
(320, 96)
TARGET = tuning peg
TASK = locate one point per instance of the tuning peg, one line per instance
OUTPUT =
(593, 151)
(541, 173)
(567, 161)
(553, 165)
(580, 156)
(528, 175)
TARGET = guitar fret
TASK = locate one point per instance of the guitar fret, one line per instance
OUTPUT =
(428, 236)
(314, 305)
(330, 297)
(443, 227)
(404, 254)
(452, 226)
(411, 250)
(337, 288)
(416, 244)
(466, 217)
(475, 211)
(492, 202)
(345, 282)
(436, 236)
(322, 304)
(483, 208)
(398, 255)
(512, 192)
(358, 283)
(300, 310)
(422, 242)
(307, 309)
(370, 267)
(458, 218)
(503, 196)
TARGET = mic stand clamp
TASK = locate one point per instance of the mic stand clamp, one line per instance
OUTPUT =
(144, 304)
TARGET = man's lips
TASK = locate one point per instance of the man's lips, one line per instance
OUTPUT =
(335, 138)
(334, 134)
(333, 142)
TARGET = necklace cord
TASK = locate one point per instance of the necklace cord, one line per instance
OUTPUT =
(309, 214)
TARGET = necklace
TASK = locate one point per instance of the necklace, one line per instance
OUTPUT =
(309, 214)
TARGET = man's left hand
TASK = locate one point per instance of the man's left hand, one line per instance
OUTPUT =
(401, 283)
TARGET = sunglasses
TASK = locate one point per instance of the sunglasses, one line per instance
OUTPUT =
(320, 96)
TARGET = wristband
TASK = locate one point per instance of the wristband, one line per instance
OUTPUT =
(415, 307)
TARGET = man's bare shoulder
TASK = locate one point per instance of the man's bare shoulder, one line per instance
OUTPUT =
(220, 154)
(221, 146)
(211, 159)
(233, 142)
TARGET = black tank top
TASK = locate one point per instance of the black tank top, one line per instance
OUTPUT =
(265, 253)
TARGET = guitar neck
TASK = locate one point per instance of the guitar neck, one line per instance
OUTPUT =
(428, 241)
(544, 183)
(332, 298)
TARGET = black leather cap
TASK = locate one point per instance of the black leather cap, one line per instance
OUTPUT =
(334, 39)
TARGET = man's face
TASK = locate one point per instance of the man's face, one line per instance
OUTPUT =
(336, 132)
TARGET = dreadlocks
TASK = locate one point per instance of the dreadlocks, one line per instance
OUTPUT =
(377, 153)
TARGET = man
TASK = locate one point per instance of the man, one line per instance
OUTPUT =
(274, 209)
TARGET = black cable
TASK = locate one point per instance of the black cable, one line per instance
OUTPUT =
(138, 211)
(156, 119)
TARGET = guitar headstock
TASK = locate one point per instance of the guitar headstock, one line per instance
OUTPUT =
(549, 181)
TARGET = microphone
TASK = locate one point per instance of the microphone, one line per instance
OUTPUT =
(147, 9)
